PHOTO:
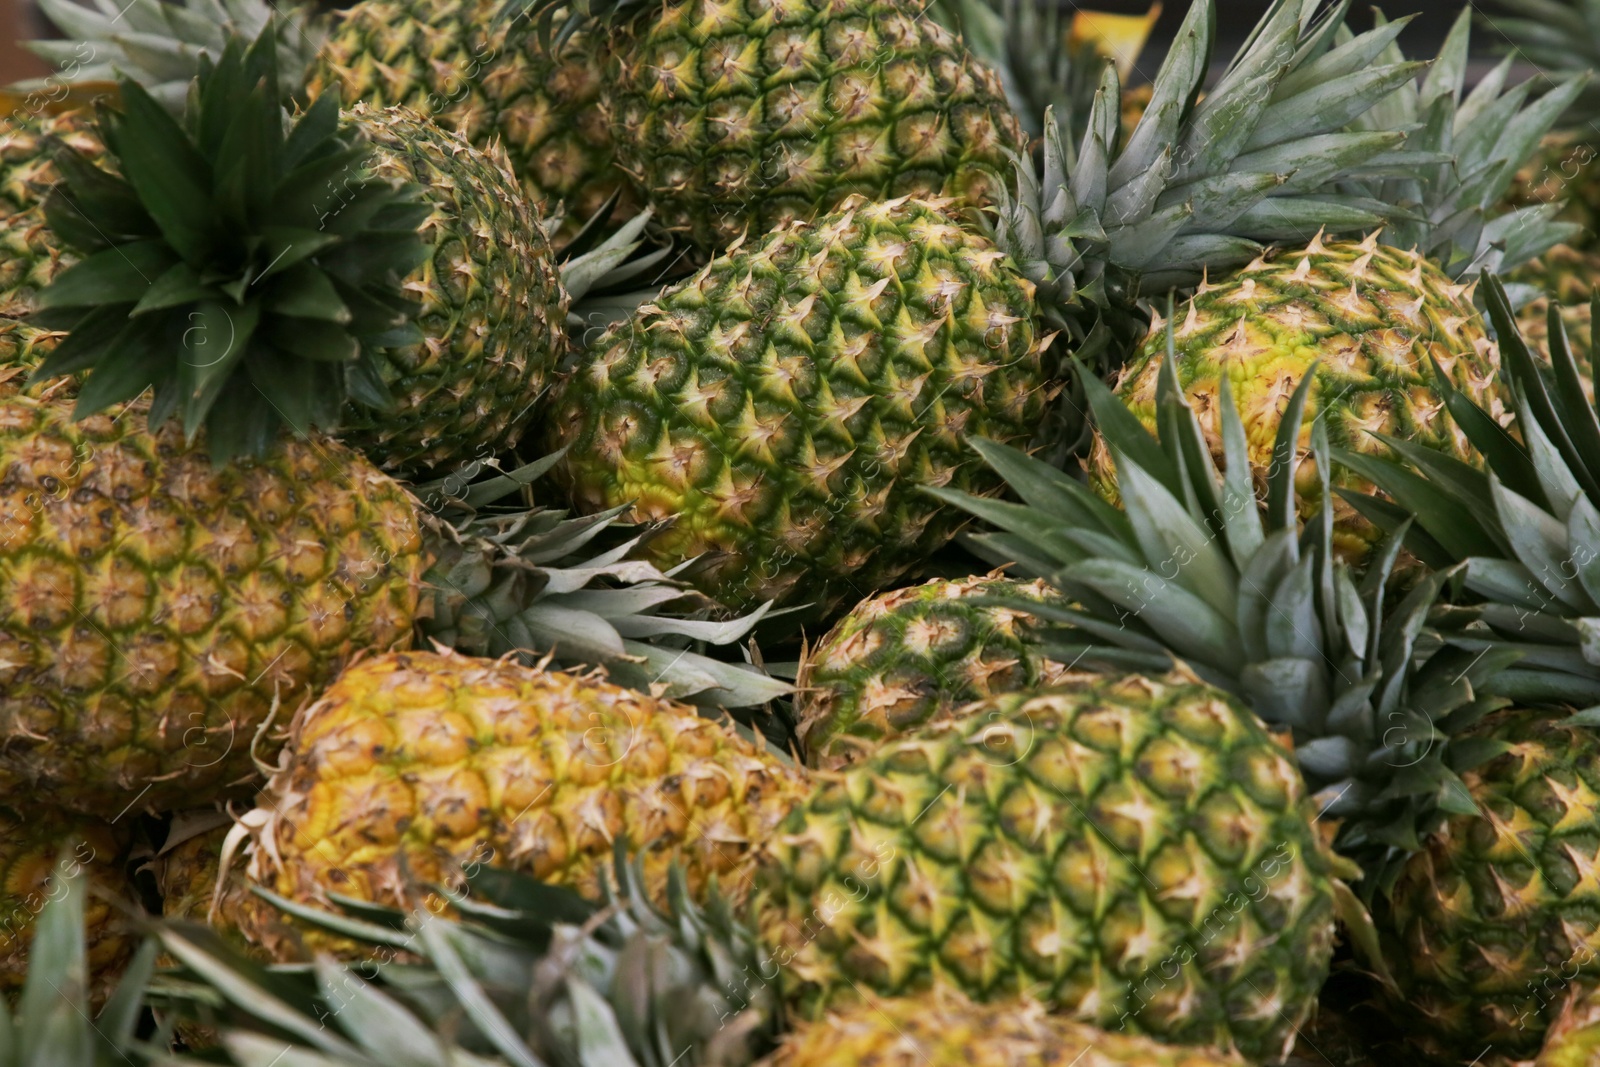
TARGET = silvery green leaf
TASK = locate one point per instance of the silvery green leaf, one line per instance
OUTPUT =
(1325, 759)
(1583, 538)
(571, 635)
(473, 1001)
(700, 679)
(376, 1022)
(258, 1050)
(1449, 73)
(1134, 201)
(1507, 581)
(1514, 621)
(1561, 489)
(1263, 571)
(1311, 162)
(1175, 544)
(1292, 627)
(1540, 544)
(1218, 201)
(1288, 692)
(1190, 626)
(1356, 54)
(1141, 244)
(1298, 218)
(1331, 105)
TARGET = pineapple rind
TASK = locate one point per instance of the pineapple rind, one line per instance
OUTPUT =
(786, 406)
(454, 61)
(950, 1031)
(153, 607)
(1373, 315)
(1139, 854)
(493, 309)
(738, 116)
(913, 656)
(1499, 916)
(415, 768)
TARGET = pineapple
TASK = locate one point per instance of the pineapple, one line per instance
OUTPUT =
(1574, 1038)
(492, 308)
(948, 1030)
(34, 850)
(32, 256)
(1562, 173)
(1494, 918)
(1565, 277)
(418, 767)
(155, 608)
(194, 883)
(1136, 851)
(450, 61)
(1558, 38)
(738, 117)
(1419, 724)
(788, 407)
(1374, 318)
(910, 657)
(1495, 915)
(784, 406)
(486, 294)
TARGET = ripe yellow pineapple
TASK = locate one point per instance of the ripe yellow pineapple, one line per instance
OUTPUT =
(413, 769)
(947, 1030)
(36, 845)
(1373, 318)
(154, 607)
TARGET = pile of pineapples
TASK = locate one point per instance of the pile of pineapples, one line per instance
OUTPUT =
(811, 532)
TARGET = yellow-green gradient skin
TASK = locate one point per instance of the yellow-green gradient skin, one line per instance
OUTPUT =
(154, 609)
(1497, 919)
(1138, 853)
(736, 116)
(1372, 318)
(491, 79)
(492, 310)
(949, 1031)
(786, 407)
(909, 657)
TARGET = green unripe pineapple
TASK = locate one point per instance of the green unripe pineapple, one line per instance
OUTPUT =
(912, 656)
(740, 116)
(492, 309)
(1497, 920)
(1139, 853)
(785, 407)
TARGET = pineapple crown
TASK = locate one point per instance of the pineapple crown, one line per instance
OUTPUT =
(510, 578)
(1471, 146)
(529, 973)
(223, 266)
(1193, 568)
(1311, 128)
(162, 43)
(1560, 36)
(1525, 532)
(55, 1022)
